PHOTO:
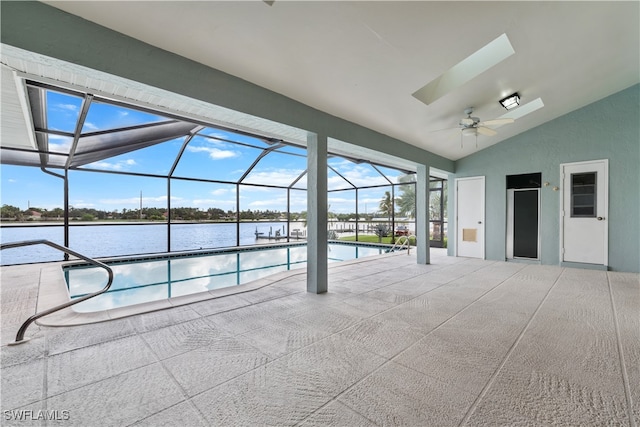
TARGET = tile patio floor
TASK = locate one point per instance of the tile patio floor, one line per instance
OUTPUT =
(457, 342)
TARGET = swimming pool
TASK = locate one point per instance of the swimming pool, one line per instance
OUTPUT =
(157, 278)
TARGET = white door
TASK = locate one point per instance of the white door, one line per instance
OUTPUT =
(470, 217)
(585, 209)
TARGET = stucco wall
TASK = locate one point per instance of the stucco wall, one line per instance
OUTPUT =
(607, 129)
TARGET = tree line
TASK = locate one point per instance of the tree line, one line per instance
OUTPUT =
(404, 205)
(13, 213)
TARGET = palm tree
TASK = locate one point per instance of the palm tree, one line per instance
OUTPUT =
(386, 205)
(407, 200)
(438, 192)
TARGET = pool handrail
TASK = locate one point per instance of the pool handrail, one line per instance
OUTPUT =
(407, 240)
(20, 335)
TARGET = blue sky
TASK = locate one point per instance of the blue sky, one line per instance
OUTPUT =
(204, 158)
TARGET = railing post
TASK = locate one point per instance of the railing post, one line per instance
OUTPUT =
(20, 335)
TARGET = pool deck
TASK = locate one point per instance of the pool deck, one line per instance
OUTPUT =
(457, 342)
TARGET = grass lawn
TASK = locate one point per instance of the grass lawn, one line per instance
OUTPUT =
(365, 238)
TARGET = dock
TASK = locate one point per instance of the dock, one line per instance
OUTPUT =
(279, 235)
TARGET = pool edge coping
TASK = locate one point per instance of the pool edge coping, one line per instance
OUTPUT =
(52, 290)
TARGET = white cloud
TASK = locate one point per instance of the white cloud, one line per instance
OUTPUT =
(280, 177)
(364, 174)
(337, 182)
(214, 153)
(252, 189)
(59, 144)
(66, 107)
(302, 183)
(120, 165)
(217, 142)
(359, 175)
(223, 191)
(90, 126)
(341, 204)
(279, 203)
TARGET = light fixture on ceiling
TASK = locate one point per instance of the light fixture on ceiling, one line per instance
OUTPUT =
(511, 101)
(469, 131)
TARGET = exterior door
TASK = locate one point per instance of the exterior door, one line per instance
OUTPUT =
(470, 217)
(585, 208)
(523, 223)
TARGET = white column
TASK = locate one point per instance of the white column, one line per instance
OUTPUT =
(422, 214)
(317, 262)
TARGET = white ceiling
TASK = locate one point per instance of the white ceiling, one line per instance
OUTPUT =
(363, 60)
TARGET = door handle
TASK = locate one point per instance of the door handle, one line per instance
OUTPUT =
(600, 218)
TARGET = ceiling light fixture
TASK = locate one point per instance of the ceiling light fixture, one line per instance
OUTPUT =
(523, 110)
(511, 101)
(469, 131)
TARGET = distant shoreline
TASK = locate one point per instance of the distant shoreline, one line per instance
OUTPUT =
(54, 223)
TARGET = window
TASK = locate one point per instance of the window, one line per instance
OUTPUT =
(583, 195)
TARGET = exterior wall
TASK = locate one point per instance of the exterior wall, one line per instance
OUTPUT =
(607, 129)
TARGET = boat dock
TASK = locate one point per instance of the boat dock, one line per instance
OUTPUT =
(295, 234)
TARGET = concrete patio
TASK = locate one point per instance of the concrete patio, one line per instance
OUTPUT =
(458, 342)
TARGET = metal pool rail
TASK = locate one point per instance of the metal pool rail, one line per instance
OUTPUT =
(20, 336)
(402, 242)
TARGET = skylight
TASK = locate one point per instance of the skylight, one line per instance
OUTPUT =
(466, 70)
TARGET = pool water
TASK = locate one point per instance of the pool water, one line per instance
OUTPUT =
(149, 280)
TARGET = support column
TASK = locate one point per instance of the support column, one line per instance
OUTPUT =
(422, 214)
(317, 263)
(67, 243)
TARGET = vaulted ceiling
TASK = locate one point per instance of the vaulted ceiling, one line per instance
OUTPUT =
(364, 60)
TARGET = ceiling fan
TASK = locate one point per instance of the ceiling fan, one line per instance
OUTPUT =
(473, 126)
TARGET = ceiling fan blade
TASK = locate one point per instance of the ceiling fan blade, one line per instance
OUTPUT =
(440, 130)
(496, 122)
(486, 131)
